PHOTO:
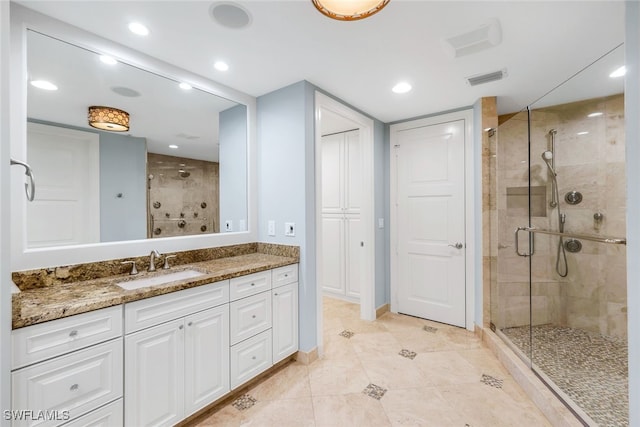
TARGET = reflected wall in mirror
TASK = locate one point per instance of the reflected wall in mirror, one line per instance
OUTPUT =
(185, 149)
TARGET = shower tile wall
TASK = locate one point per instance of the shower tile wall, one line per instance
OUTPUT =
(593, 296)
(183, 193)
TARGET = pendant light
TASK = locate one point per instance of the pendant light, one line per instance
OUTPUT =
(349, 10)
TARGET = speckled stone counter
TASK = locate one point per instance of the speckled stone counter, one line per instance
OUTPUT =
(50, 294)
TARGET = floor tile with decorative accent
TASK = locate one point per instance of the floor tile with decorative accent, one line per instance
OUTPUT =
(395, 371)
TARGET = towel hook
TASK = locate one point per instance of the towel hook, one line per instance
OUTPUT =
(30, 187)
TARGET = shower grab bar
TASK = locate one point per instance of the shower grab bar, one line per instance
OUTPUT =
(590, 237)
(29, 188)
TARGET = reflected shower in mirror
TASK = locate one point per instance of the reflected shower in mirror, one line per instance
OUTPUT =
(179, 169)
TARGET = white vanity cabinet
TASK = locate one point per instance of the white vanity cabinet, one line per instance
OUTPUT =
(66, 368)
(179, 366)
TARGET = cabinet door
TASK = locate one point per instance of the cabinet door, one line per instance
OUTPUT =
(108, 416)
(333, 254)
(154, 375)
(352, 173)
(354, 253)
(206, 357)
(332, 174)
(285, 321)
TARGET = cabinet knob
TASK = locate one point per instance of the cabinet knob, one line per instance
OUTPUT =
(181, 327)
(253, 317)
(73, 387)
(286, 275)
(276, 294)
(253, 284)
(73, 333)
(254, 358)
(190, 323)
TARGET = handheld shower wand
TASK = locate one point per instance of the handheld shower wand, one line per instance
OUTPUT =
(561, 267)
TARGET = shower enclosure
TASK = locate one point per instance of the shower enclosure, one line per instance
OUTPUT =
(559, 299)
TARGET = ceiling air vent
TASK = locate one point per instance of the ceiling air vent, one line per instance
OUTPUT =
(487, 78)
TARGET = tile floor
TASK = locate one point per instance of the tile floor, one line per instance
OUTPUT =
(397, 370)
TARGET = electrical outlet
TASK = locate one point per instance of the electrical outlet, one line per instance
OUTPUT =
(290, 229)
(380, 222)
(271, 228)
(228, 225)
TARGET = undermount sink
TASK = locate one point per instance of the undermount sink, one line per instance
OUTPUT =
(159, 280)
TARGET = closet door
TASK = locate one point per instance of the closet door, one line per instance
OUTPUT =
(352, 208)
(333, 254)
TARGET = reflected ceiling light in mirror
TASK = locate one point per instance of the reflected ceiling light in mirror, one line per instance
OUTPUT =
(349, 10)
(401, 87)
(185, 86)
(138, 28)
(43, 84)
(221, 66)
(173, 146)
(108, 118)
(230, 15)
(106, 59)
(582, 133)
(619, 72)
(596, 114)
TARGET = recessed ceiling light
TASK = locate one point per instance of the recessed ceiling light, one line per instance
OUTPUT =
(619, 72)
(43, 84)
(596, 114)
(185, 86)
(139, 29)
(173, 146)
(108, 60)
(582, 133)
(221, 66)
(402, 87)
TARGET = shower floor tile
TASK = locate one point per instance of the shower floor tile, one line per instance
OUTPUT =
(591, 369)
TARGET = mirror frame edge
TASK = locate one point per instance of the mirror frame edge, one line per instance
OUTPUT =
(22, 258)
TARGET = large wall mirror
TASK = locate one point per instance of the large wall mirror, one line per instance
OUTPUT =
(180, 170)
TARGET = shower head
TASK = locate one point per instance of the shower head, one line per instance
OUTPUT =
(547, 156)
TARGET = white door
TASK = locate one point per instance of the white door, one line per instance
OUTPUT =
(66, 166)
(431, 222)
(206, 357)
(154, 375)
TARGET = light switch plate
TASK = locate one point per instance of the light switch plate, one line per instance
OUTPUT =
(290, 229)
(271, 228)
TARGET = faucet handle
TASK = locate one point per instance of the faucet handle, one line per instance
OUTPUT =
(166, 265)
(134, 270)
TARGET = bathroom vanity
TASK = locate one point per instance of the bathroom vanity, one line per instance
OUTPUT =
(91, 351)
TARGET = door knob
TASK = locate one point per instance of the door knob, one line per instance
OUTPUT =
(457, 245)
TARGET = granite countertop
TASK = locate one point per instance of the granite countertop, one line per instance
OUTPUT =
(41, 304)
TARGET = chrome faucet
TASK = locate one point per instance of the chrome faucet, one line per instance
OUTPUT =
(152, 260)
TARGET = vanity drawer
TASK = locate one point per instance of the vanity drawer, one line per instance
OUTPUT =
(284, 275)
(249, 316)
(110, 415)
(250, 357)
(153, 311)
(78, 382)
(250, 284)
(54, 338)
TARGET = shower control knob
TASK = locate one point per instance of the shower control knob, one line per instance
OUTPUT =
(457, 245)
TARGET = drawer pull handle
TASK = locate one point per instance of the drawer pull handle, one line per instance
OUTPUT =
(73, 333)
(286, 275)
(181, 327)
(73, 387)
(254, 358)
(276, 294)
(253, 284)
(253, 317)
(190, 323)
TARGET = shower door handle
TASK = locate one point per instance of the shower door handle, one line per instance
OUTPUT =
(457, 245)
(517, 241)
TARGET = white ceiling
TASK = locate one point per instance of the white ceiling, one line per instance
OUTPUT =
(543, 44)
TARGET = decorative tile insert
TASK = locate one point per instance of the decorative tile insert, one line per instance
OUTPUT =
(244, 402)
(491, 381)
(346, 333)
(408, 354)
(374, 391)
(430, 329)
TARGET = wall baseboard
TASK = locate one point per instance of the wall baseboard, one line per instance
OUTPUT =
(382, 310)
(307, 357)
